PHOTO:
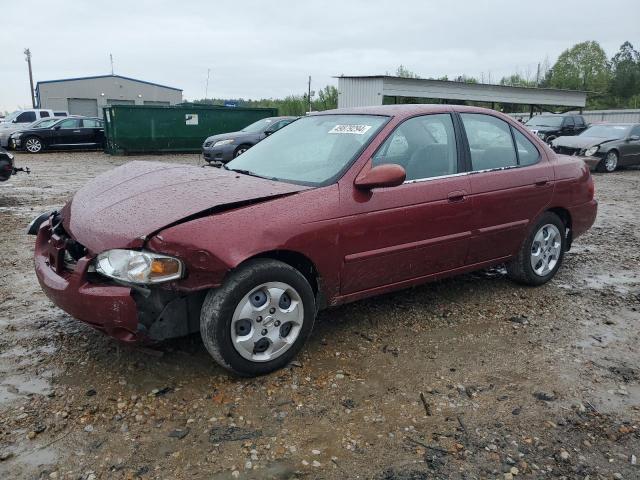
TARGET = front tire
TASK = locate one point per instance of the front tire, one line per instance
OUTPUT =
(240, 150)
(541, 253)
(33, 145)
(609, 163)
(259, 319)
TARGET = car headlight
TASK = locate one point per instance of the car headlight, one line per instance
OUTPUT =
(220, 143)
(132, 266)
(590, 151)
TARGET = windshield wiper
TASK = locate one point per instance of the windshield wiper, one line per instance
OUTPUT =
(249, 172)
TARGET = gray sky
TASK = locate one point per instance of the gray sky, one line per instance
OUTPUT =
(259, 49)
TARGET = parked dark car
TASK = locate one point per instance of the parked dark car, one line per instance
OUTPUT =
(336, 207)
(549, 127)
(605, 146)
(227, 146)
(7, 167)
(68, 133)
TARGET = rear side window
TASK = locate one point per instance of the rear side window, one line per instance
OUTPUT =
(26, 117)
(44, 114)
(91, 123)
(424, 146)
(490, 141)
(527, 152)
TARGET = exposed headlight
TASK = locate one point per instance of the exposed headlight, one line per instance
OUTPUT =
(132, 266)
(220, 143)
(590, 151)
(541, 135)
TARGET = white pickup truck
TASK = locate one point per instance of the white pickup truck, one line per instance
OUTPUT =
(21, 118)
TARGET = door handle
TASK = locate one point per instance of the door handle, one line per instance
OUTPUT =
(76, 131)
(541, 181)
(456, 196)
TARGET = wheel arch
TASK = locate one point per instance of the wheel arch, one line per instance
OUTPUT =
(565, 216)
(300, 262)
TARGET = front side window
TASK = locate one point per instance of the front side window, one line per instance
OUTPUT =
(314, 150)
(635, 130)
(26, 117)
(424, 146)
(579, 121)
(490, 141)
(70, 123)
(568, 122)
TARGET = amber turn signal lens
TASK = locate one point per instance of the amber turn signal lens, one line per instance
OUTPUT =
(164, 266)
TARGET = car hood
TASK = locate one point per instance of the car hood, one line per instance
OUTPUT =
(234, 135)
(541, 129)
(123, 207)
(579, 141)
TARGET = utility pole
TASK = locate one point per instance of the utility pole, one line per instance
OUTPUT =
(309, 94)
(538, 76)
(111, 60)
(27, 54)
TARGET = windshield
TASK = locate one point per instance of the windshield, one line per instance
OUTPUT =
(607, 131)
(259, 126)
(44, 123)
(545, 121)
(11, 116)
(313, 151)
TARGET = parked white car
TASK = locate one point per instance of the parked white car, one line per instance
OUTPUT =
(20, 119)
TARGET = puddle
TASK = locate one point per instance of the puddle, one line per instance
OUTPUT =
(622, 282)
(15, 386)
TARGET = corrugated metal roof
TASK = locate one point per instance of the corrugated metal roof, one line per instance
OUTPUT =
(106, 76)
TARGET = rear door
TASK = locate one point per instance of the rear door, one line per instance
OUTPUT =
(416, 229)
(631, 148)
(510, 186)
(95, 130)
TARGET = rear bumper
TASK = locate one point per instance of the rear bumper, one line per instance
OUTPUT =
(108, 308)
(583, 217)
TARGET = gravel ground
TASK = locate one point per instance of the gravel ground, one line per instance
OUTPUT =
(472, 377)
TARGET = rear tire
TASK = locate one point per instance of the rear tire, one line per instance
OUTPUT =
(541, 253)
(33, 145)
(259, 319)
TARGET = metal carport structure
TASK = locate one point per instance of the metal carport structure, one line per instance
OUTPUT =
(360, 91)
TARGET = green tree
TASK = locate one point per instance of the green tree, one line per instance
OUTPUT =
(625, 75)
(516, 80)
(582, 67)
(404, 72)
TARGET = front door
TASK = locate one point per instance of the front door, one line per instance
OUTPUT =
(416, 229)
(69, 132)
(511, 184)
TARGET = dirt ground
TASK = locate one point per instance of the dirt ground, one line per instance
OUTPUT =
(472, 377)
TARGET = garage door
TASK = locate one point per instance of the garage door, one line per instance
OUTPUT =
(83, 106)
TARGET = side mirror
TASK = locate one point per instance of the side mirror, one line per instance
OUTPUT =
(381, 176)
(268, 132)
(57, 127)
(634, 138)
(15, 120)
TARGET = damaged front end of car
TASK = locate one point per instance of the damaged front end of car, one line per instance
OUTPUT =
(7, 167)
(119, 291)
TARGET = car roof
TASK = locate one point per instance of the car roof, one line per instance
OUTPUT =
(406, 110)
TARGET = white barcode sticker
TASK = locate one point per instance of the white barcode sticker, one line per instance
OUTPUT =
(352, 129)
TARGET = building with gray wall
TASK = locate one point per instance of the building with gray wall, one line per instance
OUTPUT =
(88, 95)
(362, 91)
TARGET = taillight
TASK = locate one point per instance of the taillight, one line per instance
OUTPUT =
(591, 188)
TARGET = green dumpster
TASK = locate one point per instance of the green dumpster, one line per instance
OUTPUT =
(179, 128)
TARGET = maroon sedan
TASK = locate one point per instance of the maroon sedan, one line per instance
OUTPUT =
(336, 207)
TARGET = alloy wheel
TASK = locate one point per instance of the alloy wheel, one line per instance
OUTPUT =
(33, 145)
(267, 321)
(611, 161)
(546, 249)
